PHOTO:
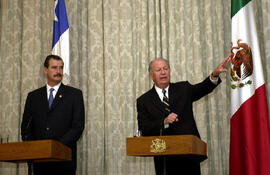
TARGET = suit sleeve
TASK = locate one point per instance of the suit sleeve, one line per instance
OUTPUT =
(27, 120)
(148, 124)
(203, 88)
(78, 120)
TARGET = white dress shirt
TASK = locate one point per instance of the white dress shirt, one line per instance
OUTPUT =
(161, 95)
(56, 87)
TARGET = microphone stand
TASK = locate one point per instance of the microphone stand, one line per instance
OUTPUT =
(27, 137)
(29, 162)
(30, 165)
(161, 133)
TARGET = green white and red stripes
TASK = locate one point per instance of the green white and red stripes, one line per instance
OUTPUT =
(250, 133)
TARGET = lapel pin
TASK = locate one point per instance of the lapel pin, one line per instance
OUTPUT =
(60, 96)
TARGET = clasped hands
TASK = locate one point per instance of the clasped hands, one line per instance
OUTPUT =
(172, 117)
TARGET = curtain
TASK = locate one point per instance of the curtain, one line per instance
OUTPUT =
(111, 45)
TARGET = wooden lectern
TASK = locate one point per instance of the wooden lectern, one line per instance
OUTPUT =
(182, 145)
(36, 151)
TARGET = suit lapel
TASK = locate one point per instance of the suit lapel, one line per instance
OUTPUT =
(156, 100)
(44, 99)
(171, 94)
(176, 99)
(58, 96)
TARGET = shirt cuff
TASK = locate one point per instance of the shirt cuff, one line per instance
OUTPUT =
(166, 126)
(213, 81)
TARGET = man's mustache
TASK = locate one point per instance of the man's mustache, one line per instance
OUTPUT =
(58, 75)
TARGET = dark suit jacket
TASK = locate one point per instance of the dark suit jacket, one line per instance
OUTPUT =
(151, 112)
(64, 121)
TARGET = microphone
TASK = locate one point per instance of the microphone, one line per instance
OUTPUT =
(25, 131)
(161, 129)
(165, 114)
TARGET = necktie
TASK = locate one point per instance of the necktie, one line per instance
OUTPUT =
(166, 101)
(51, 97)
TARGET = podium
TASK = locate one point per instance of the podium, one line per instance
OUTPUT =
(36, 151)
(182, 145)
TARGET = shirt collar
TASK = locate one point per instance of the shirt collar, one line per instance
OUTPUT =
(160, 93)
(56, 87)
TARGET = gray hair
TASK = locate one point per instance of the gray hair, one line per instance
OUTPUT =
(150, 67)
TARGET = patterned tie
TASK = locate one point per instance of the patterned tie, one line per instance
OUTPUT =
(166, 101)
(51, 97)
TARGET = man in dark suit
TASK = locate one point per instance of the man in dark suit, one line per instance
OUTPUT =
(166, 109)
(54, 111)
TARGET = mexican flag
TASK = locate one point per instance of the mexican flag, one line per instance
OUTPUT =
(250, 133)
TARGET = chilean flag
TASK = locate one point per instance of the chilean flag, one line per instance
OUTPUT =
(250, 133)
(60, 45)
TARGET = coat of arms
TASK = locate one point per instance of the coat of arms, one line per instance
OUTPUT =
(158, 146)
(242, 65)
